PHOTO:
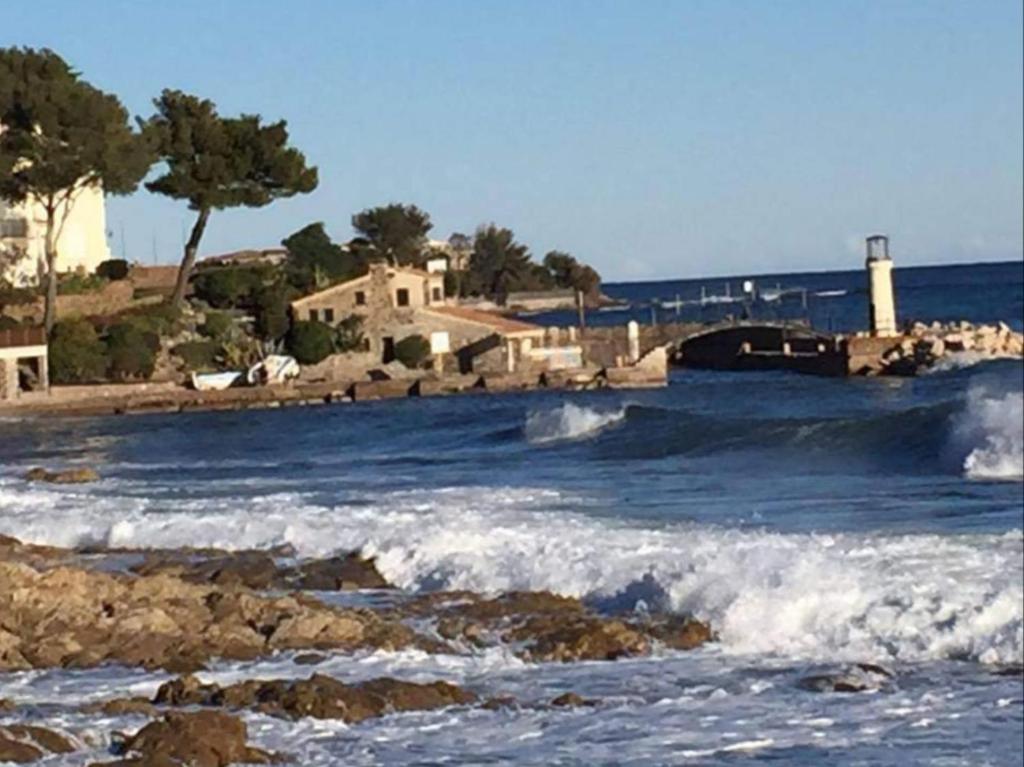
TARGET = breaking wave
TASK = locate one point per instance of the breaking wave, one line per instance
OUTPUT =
(993, 425)
(568, 422)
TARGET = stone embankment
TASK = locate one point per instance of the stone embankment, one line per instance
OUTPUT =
(925, 346)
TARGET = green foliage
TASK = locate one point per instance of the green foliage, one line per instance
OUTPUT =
(199, 356)
(78, 283)
(61, 135)
(499, 264)
(131, 352)
(412, 351)
(310, 342)
(395, 232)
(567, 272)
(227, 287)
(217, 326)
(156, 319)
(348, 334)
(239, 352)
(315, 262)
(272, 317)
(8, 323)
(112, 269)
(76, 354)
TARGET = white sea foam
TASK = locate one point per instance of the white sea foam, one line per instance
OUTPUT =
(569, 422)
(991, 427)
(849, 596)
(964, 359)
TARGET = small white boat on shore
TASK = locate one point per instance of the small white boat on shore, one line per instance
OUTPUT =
(215, 381)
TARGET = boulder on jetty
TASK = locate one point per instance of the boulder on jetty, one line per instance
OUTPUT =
(926, 345)
(75, 476)
(320, 696)
(197, 739)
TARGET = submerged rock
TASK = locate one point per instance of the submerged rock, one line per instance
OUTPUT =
(861, 677)
(64, 477)
(320, 696)
(197, 739)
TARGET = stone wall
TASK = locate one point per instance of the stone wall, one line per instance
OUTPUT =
(604, 345)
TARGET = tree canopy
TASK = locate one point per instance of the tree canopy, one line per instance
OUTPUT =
(395, 232)
(216, 162)
(499, 264)
(61, 135)
(314, 261)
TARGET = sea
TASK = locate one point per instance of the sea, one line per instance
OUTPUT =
(816, 523)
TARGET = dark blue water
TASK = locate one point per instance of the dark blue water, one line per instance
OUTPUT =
(834, 300)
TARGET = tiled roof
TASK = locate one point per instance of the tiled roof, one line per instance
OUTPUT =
(504, 325)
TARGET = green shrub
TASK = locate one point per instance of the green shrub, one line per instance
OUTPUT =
(227, 287)
(310, 342)
(76, 353)
(199, 356)
(131, 351)
(348, 334)
(76, 283)
(8, 323)
(412, 351)
(272, 321)
(161, 319)
(112, 269)
(218, 325)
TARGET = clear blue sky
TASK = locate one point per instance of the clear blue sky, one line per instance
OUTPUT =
(652, 139)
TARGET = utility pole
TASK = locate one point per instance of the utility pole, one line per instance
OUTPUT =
(581, 310)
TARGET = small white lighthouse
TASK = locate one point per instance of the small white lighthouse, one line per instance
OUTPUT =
(880, 291)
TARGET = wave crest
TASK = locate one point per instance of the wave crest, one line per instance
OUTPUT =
(991, 427)
(568, 422)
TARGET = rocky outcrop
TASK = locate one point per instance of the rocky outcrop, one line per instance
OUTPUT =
(64, 477)
(196, 739)
(260, 570)
(23, 743)
(861, 677)
(320, 697)
(549, 627)
(67, 616)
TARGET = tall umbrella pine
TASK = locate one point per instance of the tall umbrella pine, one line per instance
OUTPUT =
(58, 137)
(217, 162)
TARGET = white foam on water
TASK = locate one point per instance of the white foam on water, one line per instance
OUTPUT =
(569, 422)
(991, 427)
(964, 359)
(805, 596)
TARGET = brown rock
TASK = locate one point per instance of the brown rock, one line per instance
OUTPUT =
(553, 638)
(65, 477)
(321, 697)
(309, 659)
(570, 699)
(122, 706)
(198, 739)
(681, 633)
(346, 573)
(22, 743)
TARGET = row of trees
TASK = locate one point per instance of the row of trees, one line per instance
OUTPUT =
(491, 263)
(60, 136)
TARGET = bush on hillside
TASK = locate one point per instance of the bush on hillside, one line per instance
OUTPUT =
(77, 283)
(272, 321)
(198, 356)
(161, 319)
(226, 287)
(310, 342)
(131, 352)
(76, 353)
(218, 325)
(112, 269)
(412, 351)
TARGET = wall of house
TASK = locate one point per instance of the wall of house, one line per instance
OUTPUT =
(82, 243)
(379, 292)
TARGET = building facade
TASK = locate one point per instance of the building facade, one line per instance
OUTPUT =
(81, 242)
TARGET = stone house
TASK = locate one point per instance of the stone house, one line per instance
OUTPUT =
(397, 302)
(81, 243)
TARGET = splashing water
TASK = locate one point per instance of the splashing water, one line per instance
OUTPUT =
(568, 422)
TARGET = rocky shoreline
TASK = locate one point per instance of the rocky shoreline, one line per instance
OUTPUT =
(177, 611)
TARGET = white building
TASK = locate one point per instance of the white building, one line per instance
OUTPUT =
(81, 243)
